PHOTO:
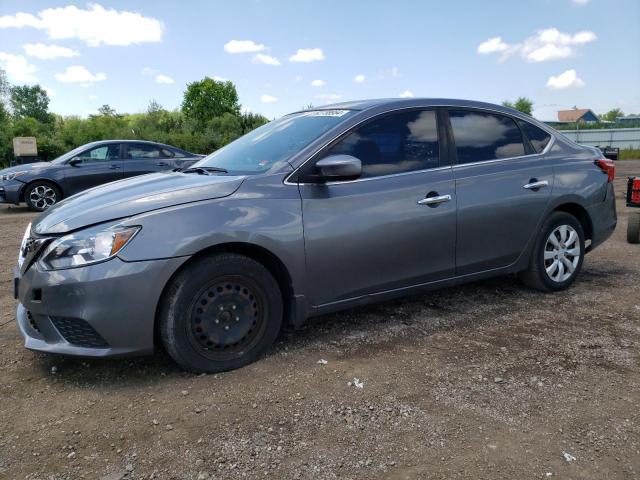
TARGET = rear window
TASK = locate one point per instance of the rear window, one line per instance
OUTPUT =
(483, 136)
(538, 138)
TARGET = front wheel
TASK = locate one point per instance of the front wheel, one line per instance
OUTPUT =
(220, 313)
(41, 195)
(557, 255)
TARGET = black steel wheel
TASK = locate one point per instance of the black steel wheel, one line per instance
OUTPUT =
(220, 313)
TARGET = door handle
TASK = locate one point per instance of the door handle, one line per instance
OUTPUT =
(433, 201)
(114, 167)
(162, 164)
(535, 184)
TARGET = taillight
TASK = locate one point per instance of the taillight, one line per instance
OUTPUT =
(608, 167)
(634, 192)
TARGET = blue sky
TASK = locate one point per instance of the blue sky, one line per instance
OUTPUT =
(560, 53)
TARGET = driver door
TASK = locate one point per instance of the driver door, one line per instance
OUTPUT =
(95, 166)
(376, 233)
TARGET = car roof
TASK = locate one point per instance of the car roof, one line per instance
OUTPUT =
(99, 142)
(392, 103)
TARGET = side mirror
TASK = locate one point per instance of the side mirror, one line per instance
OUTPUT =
(338, 167)
(75, 161)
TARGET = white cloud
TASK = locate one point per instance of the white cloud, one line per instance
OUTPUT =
(359, 78)
(93, 98)
(220, 79)
(164, 79)
(50, 91)
(266, 59)
(406, 94)
(298, 78)
(48, 52)
(580, 2)
(395, 72)
(492, 45)
(94, 25)
(17, 68)
(149, 71)
(79, 74)
(545, 45)
(565, 80)
(268, 98)
(307, 55)
(317, 83)
(243, 46)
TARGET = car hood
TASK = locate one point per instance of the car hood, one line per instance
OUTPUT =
(133, 196)
(27, 167)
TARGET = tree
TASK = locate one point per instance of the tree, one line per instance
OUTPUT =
(611, 115)
(107, 111)
(30, 101)
(207, 99)
(522, 104)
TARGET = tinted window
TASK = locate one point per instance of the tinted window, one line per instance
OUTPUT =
(100, 154)
(172, 153)
(143, 150)
(400, 142)
(484, 136)
(539, 138)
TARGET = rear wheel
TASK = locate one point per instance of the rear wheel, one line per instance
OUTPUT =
(557, 254)
(41, 195)
(633, 228)
(220, 313)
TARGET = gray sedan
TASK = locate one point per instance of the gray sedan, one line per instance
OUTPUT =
(40, 185)
(318, 211)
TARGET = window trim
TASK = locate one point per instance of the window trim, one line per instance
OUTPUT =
(445, 109)
(442, 142)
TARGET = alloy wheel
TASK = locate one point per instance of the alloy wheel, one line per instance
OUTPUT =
(562, 253)
(42, 197)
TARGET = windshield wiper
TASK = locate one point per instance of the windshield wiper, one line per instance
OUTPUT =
(203, 170)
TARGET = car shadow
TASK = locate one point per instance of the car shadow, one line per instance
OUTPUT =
(425, 314)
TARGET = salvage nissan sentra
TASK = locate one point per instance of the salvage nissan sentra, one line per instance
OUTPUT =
(315, 212)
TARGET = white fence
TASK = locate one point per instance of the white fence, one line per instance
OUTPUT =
(610, 137)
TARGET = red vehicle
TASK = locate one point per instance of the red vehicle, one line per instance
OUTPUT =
(633, 200)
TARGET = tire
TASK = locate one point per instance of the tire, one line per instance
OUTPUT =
(567, 253)
(220, 313)
(41, 195)
(633, 227)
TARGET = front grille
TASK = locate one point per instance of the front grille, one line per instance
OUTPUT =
(78, 332)
(32, 322)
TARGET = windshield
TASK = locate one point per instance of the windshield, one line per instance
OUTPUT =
(268, 146)
(66, 156)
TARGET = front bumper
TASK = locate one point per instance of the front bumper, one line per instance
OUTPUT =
(10, 191)
(102, 310)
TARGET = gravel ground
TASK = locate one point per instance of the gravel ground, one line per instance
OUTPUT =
(487, 380)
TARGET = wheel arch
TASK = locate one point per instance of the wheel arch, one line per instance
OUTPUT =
(40, 179)
(581, 214)
(256, 252)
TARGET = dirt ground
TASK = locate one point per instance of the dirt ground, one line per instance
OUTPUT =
(487, 380)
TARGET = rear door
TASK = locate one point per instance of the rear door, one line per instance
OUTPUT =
(144, 158)
(97, 165)
(377, 233)
(503, 185)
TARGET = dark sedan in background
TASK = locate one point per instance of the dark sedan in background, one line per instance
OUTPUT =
(41, 185)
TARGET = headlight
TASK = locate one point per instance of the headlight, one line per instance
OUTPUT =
(12, 175)
(85, 247)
